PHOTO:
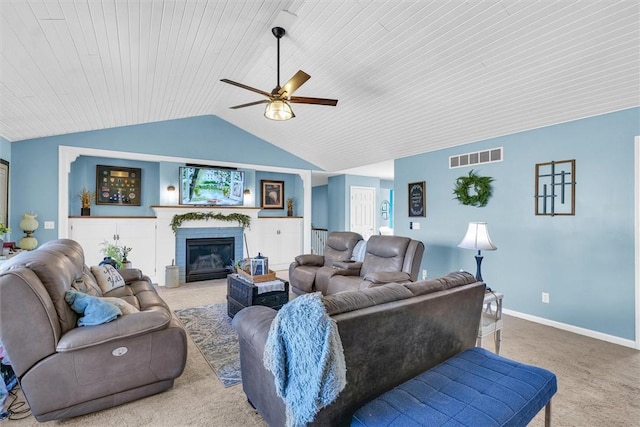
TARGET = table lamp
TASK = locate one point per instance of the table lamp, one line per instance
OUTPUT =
(477, 238)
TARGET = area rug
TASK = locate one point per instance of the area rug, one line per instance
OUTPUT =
(210, 329)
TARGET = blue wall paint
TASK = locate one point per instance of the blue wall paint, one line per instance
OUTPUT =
(585, 262)
(336, 191)
(320, 206)
(83, 174)
(292, 189)
(5, 150)
(34, 168)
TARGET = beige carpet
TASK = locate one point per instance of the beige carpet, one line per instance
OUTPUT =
(599, 383)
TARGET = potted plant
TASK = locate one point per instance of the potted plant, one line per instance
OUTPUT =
(116, 255)
(86, 197)
(290, 207)
(3, 230)
(124, 251)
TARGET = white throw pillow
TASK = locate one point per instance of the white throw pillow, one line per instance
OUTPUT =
(124, 306)
(108, 277)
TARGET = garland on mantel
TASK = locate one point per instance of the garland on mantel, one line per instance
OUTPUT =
(242, 219)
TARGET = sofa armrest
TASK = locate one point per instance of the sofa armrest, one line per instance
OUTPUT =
(130, 274)
(348, 265)
(310, 259)
(134, 324)
(382, 277)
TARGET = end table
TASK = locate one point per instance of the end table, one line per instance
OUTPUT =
(491, 319)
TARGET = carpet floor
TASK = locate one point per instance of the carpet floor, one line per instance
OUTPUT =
(210, 329)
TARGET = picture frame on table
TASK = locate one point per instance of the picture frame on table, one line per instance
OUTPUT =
(417, 199)
(116, 185)
(272, 194)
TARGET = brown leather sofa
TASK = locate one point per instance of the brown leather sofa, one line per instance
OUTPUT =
(67, 370)
(389, 333)
(302, 272)
(387, 259)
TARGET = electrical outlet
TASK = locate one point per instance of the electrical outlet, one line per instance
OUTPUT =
(49, 225)
(545, 297)
(424, 274)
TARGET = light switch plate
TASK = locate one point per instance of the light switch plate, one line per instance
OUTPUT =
(49, 225)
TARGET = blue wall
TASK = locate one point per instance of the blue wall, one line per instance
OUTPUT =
(320, 206)
(292, 189)
(34, 166)
(585, 262)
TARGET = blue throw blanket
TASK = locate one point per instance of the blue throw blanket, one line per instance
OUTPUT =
(304, 353)
(92, 310)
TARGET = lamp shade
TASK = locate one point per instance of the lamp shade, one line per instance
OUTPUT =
(278, 110)
(477, 238)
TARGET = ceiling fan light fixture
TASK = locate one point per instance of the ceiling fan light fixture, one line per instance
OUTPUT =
(278, 110)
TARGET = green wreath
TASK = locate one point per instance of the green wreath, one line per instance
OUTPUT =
(481, 186)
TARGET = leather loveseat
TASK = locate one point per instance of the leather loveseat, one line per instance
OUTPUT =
(302, 272)
(67, 370)
(387, 259)
(389, 334)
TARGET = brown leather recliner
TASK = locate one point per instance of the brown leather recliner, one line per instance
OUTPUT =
(67, 370)
(302, 272)
(387, 259)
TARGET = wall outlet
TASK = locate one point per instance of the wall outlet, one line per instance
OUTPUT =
(49, 225)
(545, 297)
(424, 274)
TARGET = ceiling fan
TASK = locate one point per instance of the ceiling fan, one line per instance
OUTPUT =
(280, 99)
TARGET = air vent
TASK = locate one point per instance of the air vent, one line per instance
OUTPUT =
(478, 157)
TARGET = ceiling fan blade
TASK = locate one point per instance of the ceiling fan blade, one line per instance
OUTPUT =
(316, 101)
(294, 83)
(252, 89)
(264, 101)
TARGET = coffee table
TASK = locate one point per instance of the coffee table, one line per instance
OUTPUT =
(243, 293)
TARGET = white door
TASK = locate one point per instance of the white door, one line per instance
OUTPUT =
(363, 208)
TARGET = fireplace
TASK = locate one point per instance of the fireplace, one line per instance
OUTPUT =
(209, 258)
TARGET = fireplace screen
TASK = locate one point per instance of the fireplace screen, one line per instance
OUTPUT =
(209, 258)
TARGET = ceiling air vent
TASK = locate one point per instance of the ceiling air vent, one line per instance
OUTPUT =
(478, 157)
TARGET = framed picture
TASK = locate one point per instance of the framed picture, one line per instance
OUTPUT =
(272, 194)
(417, 199)
(117, 185)
(4, 192)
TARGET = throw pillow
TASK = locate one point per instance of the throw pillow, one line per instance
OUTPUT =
(108, 277)
(359, 250)
(124, 306)
(92, 310)
(87, 285)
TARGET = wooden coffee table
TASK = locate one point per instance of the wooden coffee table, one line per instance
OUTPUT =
(242, 293)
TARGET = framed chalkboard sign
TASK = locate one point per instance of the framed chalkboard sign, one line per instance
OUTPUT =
(117, 185)
(417, 197)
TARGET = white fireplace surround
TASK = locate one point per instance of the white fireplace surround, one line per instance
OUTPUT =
(165, 238)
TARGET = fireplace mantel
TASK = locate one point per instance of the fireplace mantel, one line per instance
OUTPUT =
(166, 239)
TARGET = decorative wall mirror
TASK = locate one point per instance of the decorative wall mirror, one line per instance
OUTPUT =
(384, 209)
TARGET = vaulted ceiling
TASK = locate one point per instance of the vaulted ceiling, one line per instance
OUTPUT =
(410, 76)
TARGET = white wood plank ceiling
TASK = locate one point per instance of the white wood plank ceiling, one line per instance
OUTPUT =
(410, 76)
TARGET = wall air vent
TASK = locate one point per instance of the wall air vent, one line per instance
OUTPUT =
(478, 157)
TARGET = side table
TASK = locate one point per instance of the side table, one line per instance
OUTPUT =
(243, 293)
(491, 319)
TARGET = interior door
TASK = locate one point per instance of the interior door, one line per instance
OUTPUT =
(362, 210)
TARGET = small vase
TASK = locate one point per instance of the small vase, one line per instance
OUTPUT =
(109, 261)
(289, 212)
(85, 211)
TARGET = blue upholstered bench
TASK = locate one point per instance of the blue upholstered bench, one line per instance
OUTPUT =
(473, 388)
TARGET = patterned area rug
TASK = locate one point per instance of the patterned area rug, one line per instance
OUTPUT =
(210, 329)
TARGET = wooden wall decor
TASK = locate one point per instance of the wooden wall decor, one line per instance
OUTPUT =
(556, 188)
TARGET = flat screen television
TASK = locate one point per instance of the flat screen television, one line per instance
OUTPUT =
(211, 186)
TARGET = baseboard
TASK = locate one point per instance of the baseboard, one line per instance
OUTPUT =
(575, 329)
